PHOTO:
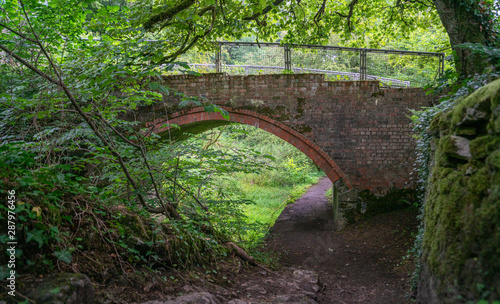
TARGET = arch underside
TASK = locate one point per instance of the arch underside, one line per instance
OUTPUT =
(196, 121)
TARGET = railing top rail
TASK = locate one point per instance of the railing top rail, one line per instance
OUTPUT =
(330, 47)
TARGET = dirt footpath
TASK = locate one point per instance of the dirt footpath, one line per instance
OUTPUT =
(362, 263)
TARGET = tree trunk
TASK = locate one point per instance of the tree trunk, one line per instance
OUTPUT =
(463, 26)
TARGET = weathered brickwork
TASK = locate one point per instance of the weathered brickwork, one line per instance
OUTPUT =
(352, 127)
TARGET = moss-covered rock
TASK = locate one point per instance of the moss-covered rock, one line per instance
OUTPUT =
(483, 146)
(464, 131)
(461, 242)
(456, 147)
(64, 288)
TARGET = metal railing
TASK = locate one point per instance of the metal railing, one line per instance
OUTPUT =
(395, 68)
(354, 76)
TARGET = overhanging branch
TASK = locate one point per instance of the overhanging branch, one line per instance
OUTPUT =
(266, 10)
(167, 14)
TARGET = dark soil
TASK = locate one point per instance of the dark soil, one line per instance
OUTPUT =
(362, 263)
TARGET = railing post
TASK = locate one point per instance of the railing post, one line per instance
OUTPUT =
(288, 58)
(335, 203)
(362, 64)
(441, 65)
(217, 58)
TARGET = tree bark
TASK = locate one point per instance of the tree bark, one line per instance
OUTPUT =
(463, 26)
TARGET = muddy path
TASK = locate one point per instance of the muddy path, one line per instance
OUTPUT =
(362, 263)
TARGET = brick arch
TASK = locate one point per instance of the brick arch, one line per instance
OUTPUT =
(198, 115)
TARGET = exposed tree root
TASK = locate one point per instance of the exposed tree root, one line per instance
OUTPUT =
(242, 254)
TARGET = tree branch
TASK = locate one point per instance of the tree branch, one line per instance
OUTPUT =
(319, 13)
(169, 207)
(266, 10)
(167, 14)
(188, 192)
(185, 48)
(29, 66)
(349, 15)
(205, 9)
(17, 33)
(116, 132)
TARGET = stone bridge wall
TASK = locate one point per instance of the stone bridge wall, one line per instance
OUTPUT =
(363, 128)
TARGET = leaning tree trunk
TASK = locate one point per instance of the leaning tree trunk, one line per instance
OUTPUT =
(464, 26)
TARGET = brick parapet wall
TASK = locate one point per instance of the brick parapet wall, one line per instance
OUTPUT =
(363, 128)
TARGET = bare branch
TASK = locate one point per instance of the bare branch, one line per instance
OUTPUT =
(204, 181)
(18, 33)
(28, 65)
(319, 13)
(117, 132)
(169, 207)
(349, 15)
(37, 39)
(188, 192)
(222, 10)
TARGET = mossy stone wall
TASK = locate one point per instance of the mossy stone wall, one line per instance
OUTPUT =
(461, 242)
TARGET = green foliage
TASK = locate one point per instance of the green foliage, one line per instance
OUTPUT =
(66, 150)
(58, 215)
(198, 24)
(41, 192)
(271, 174)
(452, 86)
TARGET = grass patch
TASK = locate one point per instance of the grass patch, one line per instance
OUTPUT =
(268, 199)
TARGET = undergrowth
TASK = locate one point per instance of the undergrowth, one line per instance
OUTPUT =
(63, 223)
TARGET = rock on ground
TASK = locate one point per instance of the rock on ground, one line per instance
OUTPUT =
(191, 298)
(64, 288)
(293, 286)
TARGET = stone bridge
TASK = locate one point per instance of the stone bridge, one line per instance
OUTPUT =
(353, 130)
